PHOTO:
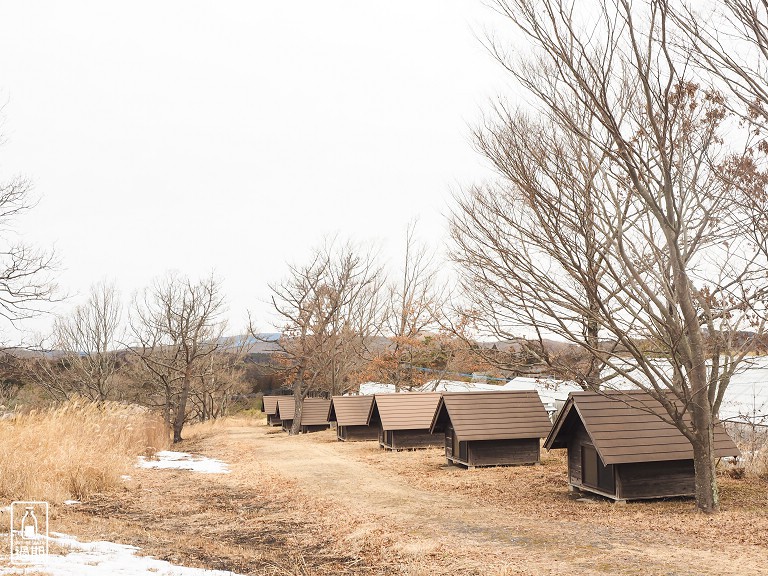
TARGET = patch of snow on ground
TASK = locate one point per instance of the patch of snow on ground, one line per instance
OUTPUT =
(105, 559)
(184, 461)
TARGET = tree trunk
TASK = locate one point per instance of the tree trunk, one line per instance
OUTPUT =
(298, 398)
(704, 460)
(593, 341)
(168, 409)
(181, 410)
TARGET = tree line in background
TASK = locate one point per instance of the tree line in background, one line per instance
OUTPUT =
(627, 220)
(342, 323)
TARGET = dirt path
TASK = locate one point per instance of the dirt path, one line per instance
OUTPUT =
(454, 529)
(312, 506)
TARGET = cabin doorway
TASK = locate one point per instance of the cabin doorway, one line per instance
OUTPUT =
(594, 473)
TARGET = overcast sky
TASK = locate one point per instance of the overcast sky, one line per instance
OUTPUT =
(232, 136)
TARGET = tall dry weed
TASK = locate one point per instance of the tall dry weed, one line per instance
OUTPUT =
(74, 450)
(757, 464)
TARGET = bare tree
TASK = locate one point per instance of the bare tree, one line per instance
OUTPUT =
(14, 375)
(329, 310)
(414, 301)
(177, 327)
(730, 45)
(544, 219)
(215, 386)
(611, 226)
(85, 344)
(25, 271)
(730, 42)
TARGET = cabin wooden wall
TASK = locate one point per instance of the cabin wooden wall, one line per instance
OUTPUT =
(655, 479)
(286, 424)
(409, 439)
(503, 452)
(357, 433)
(315, 428)
(577, 438)
(451, 442)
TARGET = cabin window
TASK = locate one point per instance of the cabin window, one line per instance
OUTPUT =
(594, 473)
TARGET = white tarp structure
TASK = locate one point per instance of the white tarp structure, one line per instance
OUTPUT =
(369, 388)
(746, 397)
(456, 386)
(553, 393)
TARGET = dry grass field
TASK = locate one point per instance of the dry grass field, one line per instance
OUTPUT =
(74, 450)
(310, 505)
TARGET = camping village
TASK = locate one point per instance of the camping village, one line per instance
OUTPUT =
(617, 444)
(472, 287)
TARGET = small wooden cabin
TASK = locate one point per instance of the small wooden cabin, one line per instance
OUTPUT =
(269, 407)
(492, 428)
(352, 415)
(405, 419)
(286, 407)
(618, 447)
(314, 415)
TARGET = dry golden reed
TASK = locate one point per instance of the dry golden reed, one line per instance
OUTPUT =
(74, 450)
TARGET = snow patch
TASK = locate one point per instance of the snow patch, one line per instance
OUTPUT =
(105, 559)
(167, 459)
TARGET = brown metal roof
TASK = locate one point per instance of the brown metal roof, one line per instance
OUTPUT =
(314, 411)
(624, 428)
(494, 415)
(407, 410)
(351, 410)
(270, 404)
(286, 406)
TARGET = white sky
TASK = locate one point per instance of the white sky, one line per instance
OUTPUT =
(232, 136)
